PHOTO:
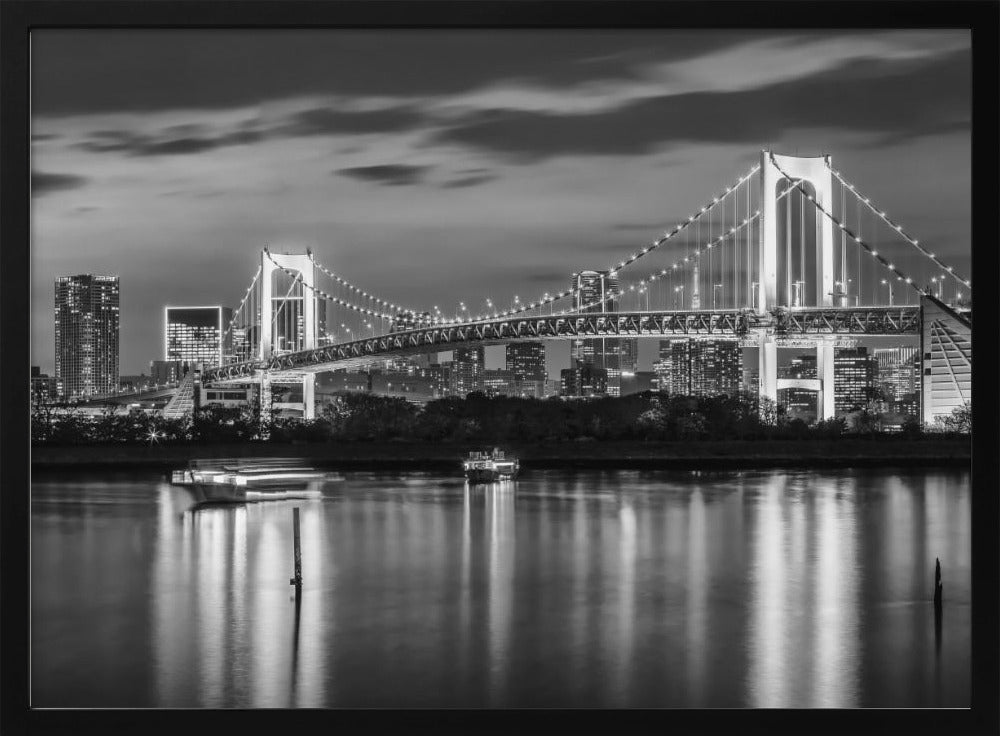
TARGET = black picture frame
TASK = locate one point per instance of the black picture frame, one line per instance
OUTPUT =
(19, 17)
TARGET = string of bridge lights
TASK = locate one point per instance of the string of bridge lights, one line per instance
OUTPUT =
(343, 282)
(900, 276)
(628, 261)
(297, 277)
(239, 309)
(898, 228)
(677, 265)
(681, 264)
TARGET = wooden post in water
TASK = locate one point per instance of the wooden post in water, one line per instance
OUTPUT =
(937, 583)
(297, 580)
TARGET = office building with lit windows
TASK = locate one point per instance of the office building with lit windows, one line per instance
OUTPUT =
(597, 292)
(525, 362)
(467, 367)
(87, 325)
(689, 367)
(197, 334)
(583, 380)
(898, 370)
(855, 373)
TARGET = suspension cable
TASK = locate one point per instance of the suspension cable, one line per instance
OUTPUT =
(857, 238)
(898, 228)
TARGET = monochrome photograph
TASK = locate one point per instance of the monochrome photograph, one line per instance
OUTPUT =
(501, 368)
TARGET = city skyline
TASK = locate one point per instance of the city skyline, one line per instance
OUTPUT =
(414, 168)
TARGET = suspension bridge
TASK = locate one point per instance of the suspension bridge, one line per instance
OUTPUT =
(790, 254)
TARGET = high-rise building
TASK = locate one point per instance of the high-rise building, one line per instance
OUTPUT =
(583, 380)
(597, 292)
(854, 375)
(664, 367)
(467, 366)
(197, 334)
(690, 367)
(87, 323)
(898, 370)
(526, 365)
(498, 382)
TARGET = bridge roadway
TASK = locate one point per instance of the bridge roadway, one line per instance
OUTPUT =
(796, 322)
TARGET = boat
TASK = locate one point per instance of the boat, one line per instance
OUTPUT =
(490, 466)
(240, 480)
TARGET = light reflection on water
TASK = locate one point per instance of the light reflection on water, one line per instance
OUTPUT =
(595, 589)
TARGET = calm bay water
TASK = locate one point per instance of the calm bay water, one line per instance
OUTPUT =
(589, 589)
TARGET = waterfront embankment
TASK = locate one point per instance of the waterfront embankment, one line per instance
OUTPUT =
(374, 456)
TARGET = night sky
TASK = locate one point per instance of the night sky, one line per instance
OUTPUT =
(471, 164)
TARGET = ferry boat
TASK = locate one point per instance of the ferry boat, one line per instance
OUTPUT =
(239, 480)
(489, 467)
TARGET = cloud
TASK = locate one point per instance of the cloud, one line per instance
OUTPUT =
(93, 71)
(386, 174)
(870, 96)
(164, 143)
(197, 138)
(329, 121)
(468, 181)
(43, 183)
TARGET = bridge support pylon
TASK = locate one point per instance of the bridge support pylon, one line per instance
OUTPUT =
(814, 170)
(824, 372)
(767, 368)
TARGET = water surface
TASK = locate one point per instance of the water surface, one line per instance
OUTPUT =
(588, 589)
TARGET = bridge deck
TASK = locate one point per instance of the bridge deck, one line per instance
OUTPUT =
(796, 322)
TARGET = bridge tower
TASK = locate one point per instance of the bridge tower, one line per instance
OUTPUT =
(814, 171)
(270, 302)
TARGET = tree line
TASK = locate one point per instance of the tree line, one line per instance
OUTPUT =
(648, 416)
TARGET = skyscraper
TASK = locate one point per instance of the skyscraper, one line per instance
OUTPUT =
(467, 370)
(854, 374)
(701, 367)
(526, 365)
(664, 367)
(197, 334)
(87, 325)
(898, 372)
(597, 293)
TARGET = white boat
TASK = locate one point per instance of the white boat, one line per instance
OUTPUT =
(240, 480)
(489, 467)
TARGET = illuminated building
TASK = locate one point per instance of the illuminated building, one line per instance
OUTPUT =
(583, 380)
(946, 346)
(467, 366)
(86, 334)
(898, 370)
(197, 334)
(597, 293)
(854, 375)
(526, 366)
(701, 367)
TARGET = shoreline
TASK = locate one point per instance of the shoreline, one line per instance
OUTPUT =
(402, 456)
